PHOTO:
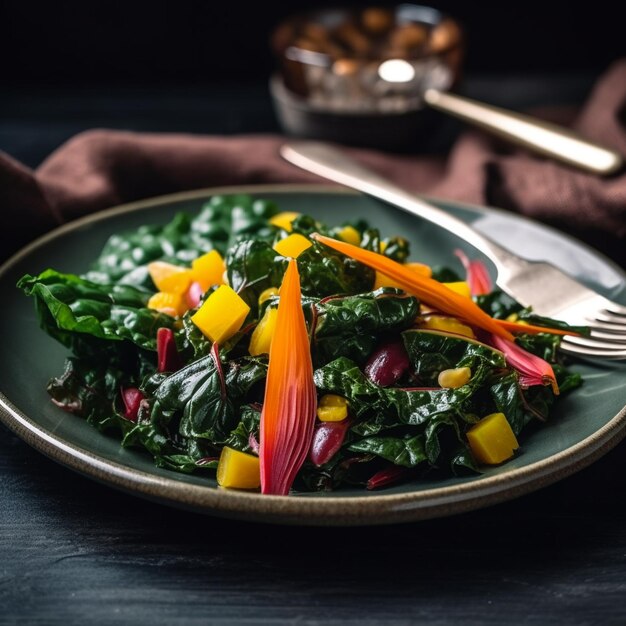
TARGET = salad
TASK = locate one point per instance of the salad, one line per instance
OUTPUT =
(282, 354)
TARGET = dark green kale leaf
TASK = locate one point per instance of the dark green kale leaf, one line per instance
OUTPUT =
(498, 304)
(397, 248)
(239, 438)
(185, 463)
(72, 309)
(378, 409)
(252, 267)
(90, 390)
(202, 400)
(221, 221)
(324, 272)
(406, 451)
(445, 274)
(351, 326)
(432, 351)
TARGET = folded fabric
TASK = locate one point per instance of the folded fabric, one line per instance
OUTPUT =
(102, 168)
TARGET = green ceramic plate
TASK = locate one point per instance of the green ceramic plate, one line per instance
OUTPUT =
(586, 424)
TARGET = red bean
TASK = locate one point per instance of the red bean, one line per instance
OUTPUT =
(327, 440)
(387, 364)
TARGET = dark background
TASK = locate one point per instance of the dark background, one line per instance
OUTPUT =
(55, 43)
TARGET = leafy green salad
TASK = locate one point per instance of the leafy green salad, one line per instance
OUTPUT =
(171, 330)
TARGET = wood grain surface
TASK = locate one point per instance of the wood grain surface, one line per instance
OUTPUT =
(73, 551)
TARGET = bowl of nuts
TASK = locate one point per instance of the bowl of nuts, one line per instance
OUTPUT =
(357, 76)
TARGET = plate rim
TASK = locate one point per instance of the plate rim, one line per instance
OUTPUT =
(316, 510)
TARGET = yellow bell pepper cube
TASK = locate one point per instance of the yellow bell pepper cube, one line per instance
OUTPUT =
(292, 246)
(221, 315)
(350, 234)
(266, 294)
(238, 470)
(332, 408)
(382, 280)
(208, 269)
(445, 324)
(261, 339)
(169, 277)
(283, 220)
(169, 303)
(460, 287)
(492, 440)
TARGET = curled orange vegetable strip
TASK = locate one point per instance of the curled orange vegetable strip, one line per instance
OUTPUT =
(430, 291)
(518, 327)
(288, 414)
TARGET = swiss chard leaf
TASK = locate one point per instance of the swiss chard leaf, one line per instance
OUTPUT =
(432, 351)
(221, 221)
(378, 409)
(326, 272)
(405, 451)
(252, 267)
(72, 308)
(89, 390)
(239, 438)
(203, 398)
(352, 325)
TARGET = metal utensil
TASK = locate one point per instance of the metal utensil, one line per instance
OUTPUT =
(547, 139)
(547, 289)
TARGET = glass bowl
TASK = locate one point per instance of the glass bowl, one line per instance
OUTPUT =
(357, 75)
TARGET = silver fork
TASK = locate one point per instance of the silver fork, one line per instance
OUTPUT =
(549, 291)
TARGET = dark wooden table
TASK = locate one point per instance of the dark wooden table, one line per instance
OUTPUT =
(75, 552)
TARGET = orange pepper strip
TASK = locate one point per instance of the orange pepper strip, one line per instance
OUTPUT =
(290, 404)
(517, 327)
(430, 291)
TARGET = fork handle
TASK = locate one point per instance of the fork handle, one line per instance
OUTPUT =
(328, 162)
(547, 139)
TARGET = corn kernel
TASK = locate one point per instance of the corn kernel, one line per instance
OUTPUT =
(460, 287)
(292, 246)
(238, 470)
(332, 408)
(454, 378)
(221, 315)
(350, 234)
(261, 339)
(446, 324)
(169, 303)
(492, 440)
(283, 220)
(266, 294)
(169, 277)
(208, 269)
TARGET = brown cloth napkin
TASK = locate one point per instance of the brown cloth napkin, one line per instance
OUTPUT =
(102, 168)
